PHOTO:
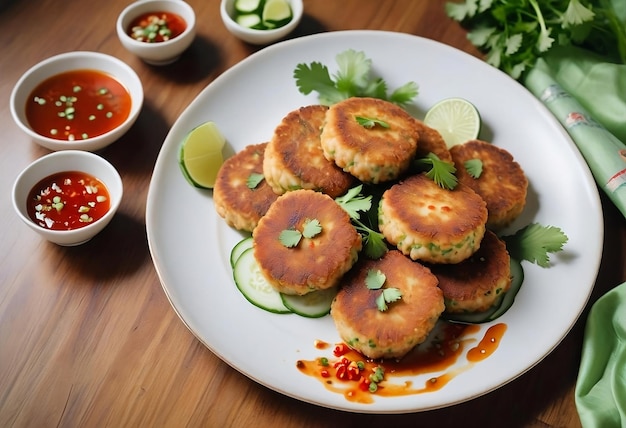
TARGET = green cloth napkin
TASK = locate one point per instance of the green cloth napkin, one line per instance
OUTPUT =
(601, 385)
(567, 80)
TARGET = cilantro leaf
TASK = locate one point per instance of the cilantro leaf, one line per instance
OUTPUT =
(290, 237)
(513, 34)
(474, 167)
(254, 180)
(534, 242)
(370, 123)
(440, 172)
(354, 202)
(353, 79)
(375, 279)
(312, 228)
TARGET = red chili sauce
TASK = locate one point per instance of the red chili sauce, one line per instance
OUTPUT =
(350, 374)
(77, 104)
(154, 27)
(67, 200)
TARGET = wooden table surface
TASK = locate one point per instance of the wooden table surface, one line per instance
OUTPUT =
(87, 335)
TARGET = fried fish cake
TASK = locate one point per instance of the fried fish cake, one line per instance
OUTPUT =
(294, 158)
(475, 284)
(429, 223)
(431, 141)
(502, 183)
(316, 262)
(238, 204)
(373, 152)
(406, 322)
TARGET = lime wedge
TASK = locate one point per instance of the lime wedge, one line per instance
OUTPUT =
(247, 6)
(200, 155)
(456, 119)
(276, 11)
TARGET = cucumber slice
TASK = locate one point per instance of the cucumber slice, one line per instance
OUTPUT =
(247, 6)
(502, 305)
(238, 249)
(253, 285)
(249, 20)
(312, 305)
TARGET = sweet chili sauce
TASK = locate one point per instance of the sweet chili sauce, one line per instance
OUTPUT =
(154, 27)
(360, 379)
(77, 104)
(67, 200)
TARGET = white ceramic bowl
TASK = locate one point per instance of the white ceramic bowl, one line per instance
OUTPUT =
(68, 160)
(160, 53)
(259, 37)
(76, 61)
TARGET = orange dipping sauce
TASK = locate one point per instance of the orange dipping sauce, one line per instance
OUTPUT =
(68, 200)
(154, 27)
(77, 104)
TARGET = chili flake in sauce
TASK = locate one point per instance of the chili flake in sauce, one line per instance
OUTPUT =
(154, 27)
(77, 104)
(67, 200)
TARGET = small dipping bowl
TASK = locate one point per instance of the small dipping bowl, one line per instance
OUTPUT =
(255, 36)
(162, 52)
(63, 161)
(73, 61)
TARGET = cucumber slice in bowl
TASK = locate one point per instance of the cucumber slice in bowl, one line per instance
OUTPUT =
(253, 285)
(312, 305)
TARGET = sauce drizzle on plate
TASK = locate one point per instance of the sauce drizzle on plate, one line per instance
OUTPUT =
(437, 357)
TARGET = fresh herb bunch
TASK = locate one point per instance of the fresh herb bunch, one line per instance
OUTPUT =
(514, 33)
(353, 79)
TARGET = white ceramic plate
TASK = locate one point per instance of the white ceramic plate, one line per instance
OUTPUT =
(190, 244)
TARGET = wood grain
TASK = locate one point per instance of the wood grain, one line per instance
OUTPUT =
(88, 337)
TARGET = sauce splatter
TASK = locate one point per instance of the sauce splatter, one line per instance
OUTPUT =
(350, 374)
(155, 27)
(67, 200)
(77, 104)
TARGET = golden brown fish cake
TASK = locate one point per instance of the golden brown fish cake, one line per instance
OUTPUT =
(371, 154)
(294, 158)
(475, 284)
(316, 263)
(432, 224)
(502, 183)
(405, 324)
(431, 141)
(234, 201)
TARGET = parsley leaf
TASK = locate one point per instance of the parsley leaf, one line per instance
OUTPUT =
(441, 172)
(254, 179)
(370, 123)
(353, 79)
(534, 242)
(474, 167)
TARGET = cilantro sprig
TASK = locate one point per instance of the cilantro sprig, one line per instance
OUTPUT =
(374, 280)
(441, 172)
(535, 242)
(514, 33)
(474, 167)
(354, 202)
(352, 79)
